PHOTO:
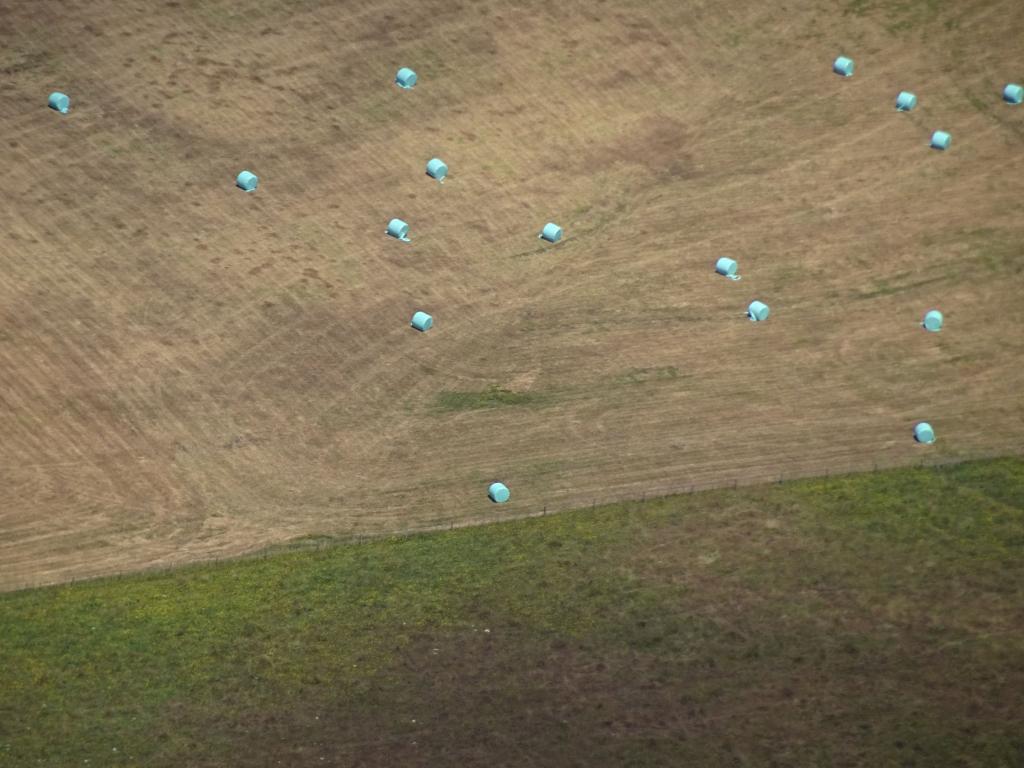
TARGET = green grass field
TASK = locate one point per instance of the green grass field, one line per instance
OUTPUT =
(864, 620)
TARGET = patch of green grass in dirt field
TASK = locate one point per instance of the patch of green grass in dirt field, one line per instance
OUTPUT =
(989, 103)
(999, 251)
(903, 17)
(15, 60)
(903, 13)
(883, 287)
(869, 619)
(224, 14)
(491, 397)
(644, 375)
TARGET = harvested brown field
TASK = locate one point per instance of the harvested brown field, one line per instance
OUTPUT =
(191, 372)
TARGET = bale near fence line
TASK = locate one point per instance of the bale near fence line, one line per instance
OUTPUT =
(498, 493)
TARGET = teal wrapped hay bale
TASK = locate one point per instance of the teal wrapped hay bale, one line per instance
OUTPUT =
(933, 321)
(405, 78)
(421, 321)
(727, 267)
(941, 140)
(757, 311)
(398, 229)
(1013, 93)
(551, 232)
(906, 101)
(498, 493)
(436, 169)
(247, 181)
(843, 66)
(924, 433)
(59, 101)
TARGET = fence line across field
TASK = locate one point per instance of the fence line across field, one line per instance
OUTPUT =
(545, 507)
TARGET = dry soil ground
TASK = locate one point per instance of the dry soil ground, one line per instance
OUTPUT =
(188, 371)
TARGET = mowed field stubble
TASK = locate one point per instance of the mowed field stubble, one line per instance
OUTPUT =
(189, 371)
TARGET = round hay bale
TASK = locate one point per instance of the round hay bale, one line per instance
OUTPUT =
(727, 267)
(906, 101)
(498, 493)
(941, 140)
(843, 66)
(757, 311)
(398, 229)
(405, 78)
(933, 321)
(59, 101)
(924, 433)
(436, 169)
(551, 232)
(247, 180)
(421, 321)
